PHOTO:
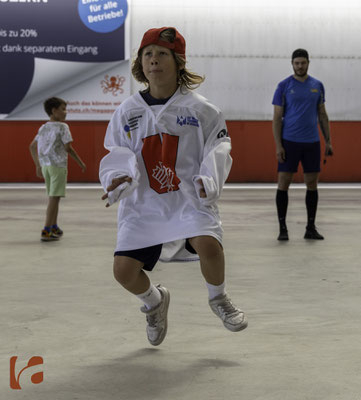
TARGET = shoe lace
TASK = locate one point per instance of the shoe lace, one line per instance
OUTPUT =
(227, 308)
(153, 319)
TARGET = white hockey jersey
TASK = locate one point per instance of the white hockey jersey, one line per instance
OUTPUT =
(166, 150)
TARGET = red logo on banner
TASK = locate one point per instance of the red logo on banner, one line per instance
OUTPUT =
(35, 378)
(113, 84)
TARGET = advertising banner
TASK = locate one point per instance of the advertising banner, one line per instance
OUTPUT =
(73, 49)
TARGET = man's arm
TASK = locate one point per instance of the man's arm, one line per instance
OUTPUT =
(277, 132)
(70, 150)
(325, 128)
(34, 154)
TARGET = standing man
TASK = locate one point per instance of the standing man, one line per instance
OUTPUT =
(299, 105)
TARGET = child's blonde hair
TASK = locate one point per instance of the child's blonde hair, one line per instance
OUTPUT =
(185, 78)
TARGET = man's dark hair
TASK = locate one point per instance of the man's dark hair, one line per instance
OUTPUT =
(300, 53)
(52, 102)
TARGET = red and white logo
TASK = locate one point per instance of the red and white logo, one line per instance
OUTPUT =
(160, 156)
(165, 176)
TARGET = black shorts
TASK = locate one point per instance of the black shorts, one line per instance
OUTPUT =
(308, 153)
(149, 255)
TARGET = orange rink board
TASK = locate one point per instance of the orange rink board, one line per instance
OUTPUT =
(253, 151)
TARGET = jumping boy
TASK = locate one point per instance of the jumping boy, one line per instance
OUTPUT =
(49, 150)
(169, 158)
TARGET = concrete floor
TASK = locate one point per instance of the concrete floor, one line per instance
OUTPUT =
(60, 301)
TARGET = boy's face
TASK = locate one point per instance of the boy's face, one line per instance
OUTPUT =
(59, 114)
(159, 66)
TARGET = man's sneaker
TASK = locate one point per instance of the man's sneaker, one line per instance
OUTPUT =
(157, 318)
(233, 318)
(311, 233)
(48, 236)
(283, 234)
(57, 231)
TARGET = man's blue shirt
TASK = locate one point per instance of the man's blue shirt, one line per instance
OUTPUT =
(300, 101)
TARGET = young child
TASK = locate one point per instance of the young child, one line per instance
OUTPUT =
(167, 163)
(49, 150)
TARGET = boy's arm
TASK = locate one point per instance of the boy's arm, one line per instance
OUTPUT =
(71, 151)
(118, 170)
(215, 166)
(34, 154)
(118, 174)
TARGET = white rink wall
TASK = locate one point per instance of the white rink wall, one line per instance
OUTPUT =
(244, 48)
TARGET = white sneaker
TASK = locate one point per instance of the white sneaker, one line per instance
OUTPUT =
(157, 318)
(233, 318)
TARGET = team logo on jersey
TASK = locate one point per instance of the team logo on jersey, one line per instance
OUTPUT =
(222, 133)
(159, 153)
(165, 176)
(314, 90)
(192, 121)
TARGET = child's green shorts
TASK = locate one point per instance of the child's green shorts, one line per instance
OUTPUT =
(55, 180)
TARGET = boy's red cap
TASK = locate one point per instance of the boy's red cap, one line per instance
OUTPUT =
(152, 36)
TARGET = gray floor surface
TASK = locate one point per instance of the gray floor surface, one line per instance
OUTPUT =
(60, 301)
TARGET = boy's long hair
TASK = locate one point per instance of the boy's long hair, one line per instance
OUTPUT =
(52, 102)
(186, 78)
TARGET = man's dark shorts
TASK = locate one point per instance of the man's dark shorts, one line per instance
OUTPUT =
(309, 154)
(149, 255)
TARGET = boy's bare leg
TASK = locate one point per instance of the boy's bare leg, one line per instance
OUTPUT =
(128, 272)
(211, 258)
(212, 266)
(52, 211)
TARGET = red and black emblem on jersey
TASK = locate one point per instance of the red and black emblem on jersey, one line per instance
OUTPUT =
(160, 156)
